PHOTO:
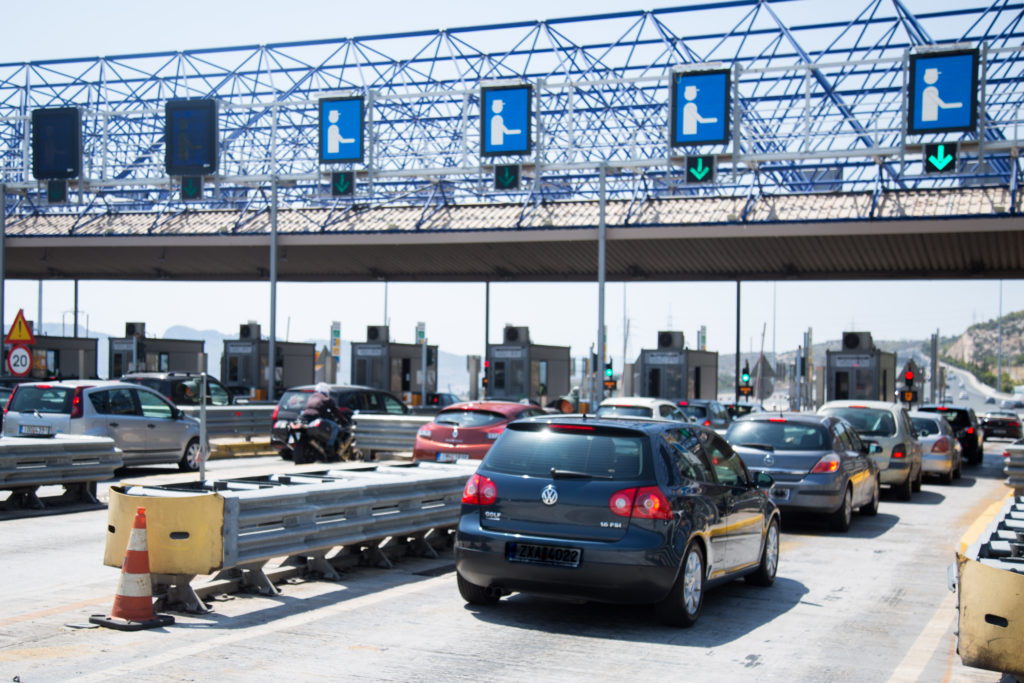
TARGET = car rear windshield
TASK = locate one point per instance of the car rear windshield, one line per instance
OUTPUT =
(957, 418)
(468, 418)
(45, 399)
(536, 450)
(781, 436)
(623, 411)
(867, 421)
(294, 400)
(695, 411)
(925, 426)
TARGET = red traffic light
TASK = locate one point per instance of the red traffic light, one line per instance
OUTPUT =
(909, 375)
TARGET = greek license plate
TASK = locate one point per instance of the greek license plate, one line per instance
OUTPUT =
(780, 494)
(450, 457)
(34, 430)
(543, 554)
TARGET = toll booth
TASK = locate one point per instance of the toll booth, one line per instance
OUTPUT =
(859, 370)
(135, 352)
(243, 365)
(61, 357)
(674, 372)
(396, 368)
(516, 369)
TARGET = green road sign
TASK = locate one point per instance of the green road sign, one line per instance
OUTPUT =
(56, 191)
(343, 184)
(506, 177)
(700, 169)
(191, 187)
(940, 157)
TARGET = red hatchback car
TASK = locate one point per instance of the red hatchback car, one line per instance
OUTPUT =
(467, 430)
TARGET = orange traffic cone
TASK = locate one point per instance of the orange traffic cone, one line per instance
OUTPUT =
(133, 603)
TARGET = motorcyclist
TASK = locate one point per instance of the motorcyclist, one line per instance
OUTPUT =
(321, 405)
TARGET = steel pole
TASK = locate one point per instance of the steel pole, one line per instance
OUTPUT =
(204, 442)
(487, 332)
(76, 310)
(601, 244)
(737, 382)
(271, 347)
(3, 255)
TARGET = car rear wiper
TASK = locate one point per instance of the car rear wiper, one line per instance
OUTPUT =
(572, 474)
(445, 422)
(761, 446)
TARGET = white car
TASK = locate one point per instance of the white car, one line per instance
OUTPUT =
(639, 406)
(143, 424)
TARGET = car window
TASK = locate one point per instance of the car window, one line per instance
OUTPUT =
(780, 435)
(925, 426)
(391, 405)
(694, 411)
(468, 418)
(867, 421)
(351, 400)
(154, 406)
(728, 467)
(535, 451)
(848, 439)
(684, 452)
(623, 411)
(294, 400)
(120, 402)
(216, 394)
(372, 402)
(42, 398)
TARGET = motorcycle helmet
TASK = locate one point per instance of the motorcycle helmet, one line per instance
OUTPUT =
(323, 388)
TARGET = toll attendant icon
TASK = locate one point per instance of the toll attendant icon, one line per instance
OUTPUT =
(931, 102)
(692, 117)
(498, 129)
(334, 137)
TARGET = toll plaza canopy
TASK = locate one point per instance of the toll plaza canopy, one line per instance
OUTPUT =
(729, 140)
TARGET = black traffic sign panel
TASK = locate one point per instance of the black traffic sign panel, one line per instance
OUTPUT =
(506, 176)
(191, 187)
(940, 157)
(343, 184)
(190, 136)
(700, 168)
(56, 191)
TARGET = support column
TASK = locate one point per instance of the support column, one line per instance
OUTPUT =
(737, 382)
(271, 346)
(487, 331)
(3, 255)
(601, 244)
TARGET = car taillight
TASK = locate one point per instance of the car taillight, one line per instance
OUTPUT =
(1014, 423)
(707, 423)
(277, 409)
(10, 399)
(941, 446)
(970, 430)
(479, 491)
(899, 452)
(76, 403)
(493, 434)
(647, 502)
(827, 465)
(777, 419)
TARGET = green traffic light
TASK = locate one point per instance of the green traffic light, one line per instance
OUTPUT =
(608, 371)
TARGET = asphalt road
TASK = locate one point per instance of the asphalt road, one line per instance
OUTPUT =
(869, 605)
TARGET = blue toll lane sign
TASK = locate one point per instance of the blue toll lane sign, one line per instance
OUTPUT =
(700, 107)
(505, 120)
(943, 92)
(341, 130)
(190, 137)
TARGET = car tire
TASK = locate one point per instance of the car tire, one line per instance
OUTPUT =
(474, 594)
(906, 490)
(286, 453)
(765, 574)
(683, 605)
(191, 458)
(841, 518)
(919, 480)
(301, 452)
(871, 509)
(959, 472)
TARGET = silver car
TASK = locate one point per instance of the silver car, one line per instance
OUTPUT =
(143, 424)
(818, 462)
(941, 453)
(888, 426)
(637, 406)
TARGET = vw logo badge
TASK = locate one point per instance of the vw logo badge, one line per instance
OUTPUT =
(769, 460)
(549, 496)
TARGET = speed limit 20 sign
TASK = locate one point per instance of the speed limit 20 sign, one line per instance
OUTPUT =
(19, 361)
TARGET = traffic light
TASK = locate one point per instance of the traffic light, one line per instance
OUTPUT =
(908, 379)
(608, 372)
(745, 377)
(487, 366)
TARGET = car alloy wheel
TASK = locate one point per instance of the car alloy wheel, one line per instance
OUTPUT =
(765, 574)
(683, 604)
(192, 457)
(842, 517)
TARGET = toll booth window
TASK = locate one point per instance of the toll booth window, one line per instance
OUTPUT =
(164, 362)
(233, 368)
(499, 376)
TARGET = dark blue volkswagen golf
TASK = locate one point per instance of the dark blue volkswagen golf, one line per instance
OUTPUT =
(626, 511)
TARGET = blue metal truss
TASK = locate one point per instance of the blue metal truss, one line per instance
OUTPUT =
(820, 89)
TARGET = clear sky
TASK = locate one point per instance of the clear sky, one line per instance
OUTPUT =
(557, 313)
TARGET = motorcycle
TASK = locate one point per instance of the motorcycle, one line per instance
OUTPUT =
(308, 439)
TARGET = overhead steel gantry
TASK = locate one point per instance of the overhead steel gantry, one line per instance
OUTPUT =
(819, 105)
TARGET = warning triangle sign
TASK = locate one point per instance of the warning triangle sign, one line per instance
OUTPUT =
(20, 332)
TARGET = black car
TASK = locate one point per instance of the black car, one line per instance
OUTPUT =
(707, 412)
(1001, 424)
(183, 388)
(614, 510)
(968, 429)
(352, 399)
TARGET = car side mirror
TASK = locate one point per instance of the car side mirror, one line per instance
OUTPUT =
(872, 449)
(764, 480)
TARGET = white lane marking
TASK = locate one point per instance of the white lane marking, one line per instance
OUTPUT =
(927, 644)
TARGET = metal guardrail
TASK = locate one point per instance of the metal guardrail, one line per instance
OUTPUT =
(74, 462)
(236, 526)
(387, 432)
(1014, 469)
(242, 420)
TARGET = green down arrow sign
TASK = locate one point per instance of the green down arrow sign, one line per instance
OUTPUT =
(343, 183)
(940, 157)
(191, 187)
(700, 169)
(506, 177)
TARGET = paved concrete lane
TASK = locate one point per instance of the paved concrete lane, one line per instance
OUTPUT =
(869, 605)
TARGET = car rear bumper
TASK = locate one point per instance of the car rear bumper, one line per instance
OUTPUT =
(813, 493)
(898, 471)
(637, 569)
(937, 463)
(433, 450)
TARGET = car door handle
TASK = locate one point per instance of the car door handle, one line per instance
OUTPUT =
(151, 425)
(113, 424)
